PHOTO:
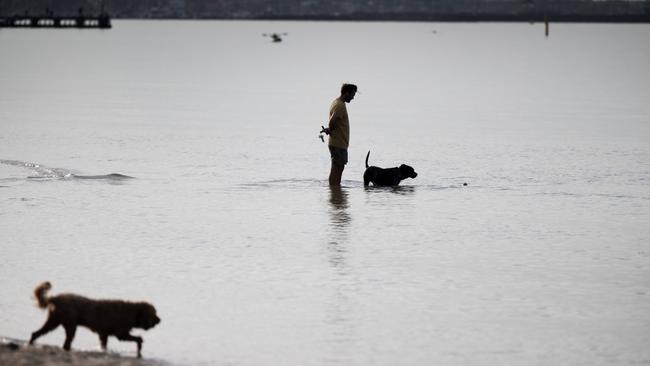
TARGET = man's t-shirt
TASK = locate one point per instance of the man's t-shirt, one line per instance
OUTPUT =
(340, 136)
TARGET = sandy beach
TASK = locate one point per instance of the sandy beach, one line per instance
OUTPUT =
(15, 352)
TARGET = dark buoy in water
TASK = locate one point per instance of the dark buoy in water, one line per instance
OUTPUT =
(465, 184)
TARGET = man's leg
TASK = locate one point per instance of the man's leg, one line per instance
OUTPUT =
(335, 174)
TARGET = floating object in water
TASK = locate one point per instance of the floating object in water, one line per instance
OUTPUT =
(275, 37)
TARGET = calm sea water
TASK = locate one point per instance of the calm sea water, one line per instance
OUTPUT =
(230, 229)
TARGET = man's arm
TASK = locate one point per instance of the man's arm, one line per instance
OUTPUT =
(333, 122)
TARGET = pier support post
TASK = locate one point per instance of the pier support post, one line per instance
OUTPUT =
(546, 25)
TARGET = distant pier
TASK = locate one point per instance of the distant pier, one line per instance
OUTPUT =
(102, 21)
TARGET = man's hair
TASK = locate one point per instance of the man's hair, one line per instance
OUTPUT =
(348, 88)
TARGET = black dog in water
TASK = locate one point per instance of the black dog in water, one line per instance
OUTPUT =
(387, 177)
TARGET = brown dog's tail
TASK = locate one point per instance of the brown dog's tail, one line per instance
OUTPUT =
(367, 155)
(40, 292)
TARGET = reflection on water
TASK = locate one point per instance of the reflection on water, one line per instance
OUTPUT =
(403, 190)
(340, 312)
(339, 225)
(340, 218)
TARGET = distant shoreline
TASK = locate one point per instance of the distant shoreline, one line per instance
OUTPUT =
(558, 18)
(475, 18)
(422, 18)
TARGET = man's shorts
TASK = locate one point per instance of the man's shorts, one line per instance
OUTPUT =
(339, 156)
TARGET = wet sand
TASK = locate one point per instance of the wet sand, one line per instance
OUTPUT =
(18, 353)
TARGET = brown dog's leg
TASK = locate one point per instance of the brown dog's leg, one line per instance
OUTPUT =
(70, 330)
(128, 337)
(50, 324)
(103, 339)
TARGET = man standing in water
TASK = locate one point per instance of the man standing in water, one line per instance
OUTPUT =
(339, 133)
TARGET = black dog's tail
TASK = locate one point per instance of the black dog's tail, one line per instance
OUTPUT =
(40, 293)
(367, 158)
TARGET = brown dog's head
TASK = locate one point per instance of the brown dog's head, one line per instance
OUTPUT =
(146, 317)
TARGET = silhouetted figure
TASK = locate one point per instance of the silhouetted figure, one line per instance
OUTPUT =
(338, 130)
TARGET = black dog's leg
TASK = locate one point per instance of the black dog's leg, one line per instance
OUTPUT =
(128, 337)
(370, 175)
(70, 330)
(103, 339)
(50, 324)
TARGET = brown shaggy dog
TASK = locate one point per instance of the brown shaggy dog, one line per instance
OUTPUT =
(104, 317)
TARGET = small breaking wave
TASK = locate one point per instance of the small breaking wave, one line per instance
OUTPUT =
(41, 172)
(296, 183)
(284, 183)
(112, 176)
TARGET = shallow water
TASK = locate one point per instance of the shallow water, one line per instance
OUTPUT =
(228, 225)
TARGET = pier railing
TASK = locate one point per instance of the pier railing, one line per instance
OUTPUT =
(102, 21)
